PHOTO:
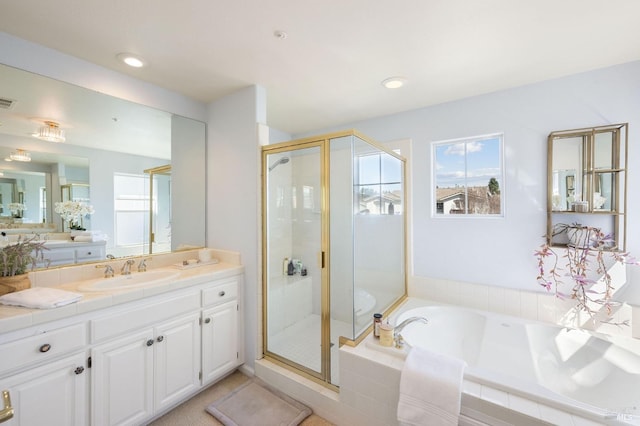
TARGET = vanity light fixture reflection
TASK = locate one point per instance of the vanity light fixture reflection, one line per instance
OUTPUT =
(50, 132)
(19, 155)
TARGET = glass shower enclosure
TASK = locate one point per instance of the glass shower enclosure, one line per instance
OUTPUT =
(333, 247)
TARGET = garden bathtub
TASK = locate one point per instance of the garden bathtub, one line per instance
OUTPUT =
(575, 370)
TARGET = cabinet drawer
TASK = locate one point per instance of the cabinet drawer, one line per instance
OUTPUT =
(55, 257)
(89, 253)
(224, 291)
(116, 324)
(43, 347)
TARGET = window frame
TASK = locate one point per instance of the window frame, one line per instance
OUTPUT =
(501, 177)
(380, 183)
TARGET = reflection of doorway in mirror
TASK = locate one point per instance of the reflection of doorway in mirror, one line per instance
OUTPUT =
(571, 180)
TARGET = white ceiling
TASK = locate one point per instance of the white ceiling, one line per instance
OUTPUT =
(329, 68)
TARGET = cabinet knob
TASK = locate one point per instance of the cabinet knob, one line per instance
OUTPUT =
(79, 370)
(149, 342)
(222, 293)
(207, 320)
(160, 338)
(45, 347)
(88, 253)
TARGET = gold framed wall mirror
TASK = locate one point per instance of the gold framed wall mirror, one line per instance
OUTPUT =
(587, 181)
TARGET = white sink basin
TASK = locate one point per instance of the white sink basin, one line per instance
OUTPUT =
(134, 280)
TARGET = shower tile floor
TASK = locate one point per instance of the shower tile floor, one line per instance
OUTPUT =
(300, 343)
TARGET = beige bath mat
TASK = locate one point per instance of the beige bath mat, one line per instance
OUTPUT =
(254, 403)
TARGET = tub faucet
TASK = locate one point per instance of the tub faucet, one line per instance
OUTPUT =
(397, 337)
(126, 268)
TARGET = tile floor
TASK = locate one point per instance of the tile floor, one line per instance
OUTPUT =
(192, 412)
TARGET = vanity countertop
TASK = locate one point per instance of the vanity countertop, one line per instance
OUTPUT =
(14, 318)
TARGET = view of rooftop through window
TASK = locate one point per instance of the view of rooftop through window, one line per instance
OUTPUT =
(379, 184)
(468, 176)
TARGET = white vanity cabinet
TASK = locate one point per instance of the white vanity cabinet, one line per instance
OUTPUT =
(127, 363)
(65, 253)
(47, 377)
(161, 352)
(219, 341)
(221, 333)
(53, 394)
(139, 374)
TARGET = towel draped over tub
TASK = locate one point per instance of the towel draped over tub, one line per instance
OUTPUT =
(430, 389)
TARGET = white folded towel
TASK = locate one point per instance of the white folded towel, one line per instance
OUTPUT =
(89, 238)
(40, 298)
(89, 232)
(430, 389)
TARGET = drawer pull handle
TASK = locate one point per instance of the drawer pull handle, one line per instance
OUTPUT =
(207, 320)
(149, 342)
(79, 370)
(160, 338)
(45, 348)
(222, 293)
(88, 253)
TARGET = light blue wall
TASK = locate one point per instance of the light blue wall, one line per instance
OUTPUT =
(233, 192)
(500, 251)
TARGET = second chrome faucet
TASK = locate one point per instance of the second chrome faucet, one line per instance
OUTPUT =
(126, 268)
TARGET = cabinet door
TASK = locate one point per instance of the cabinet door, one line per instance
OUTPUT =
(122, 380)
(219, 341)
(54, 394)
(177, 359)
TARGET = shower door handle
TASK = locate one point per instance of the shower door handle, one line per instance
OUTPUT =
(322, 259)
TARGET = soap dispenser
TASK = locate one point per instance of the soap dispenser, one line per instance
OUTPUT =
(290, 268)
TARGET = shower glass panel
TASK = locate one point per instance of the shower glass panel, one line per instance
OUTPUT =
(336, 204)
(294, 282)
(367, 233)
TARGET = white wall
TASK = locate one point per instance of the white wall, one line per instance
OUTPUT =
(233, 195)
(499, 252)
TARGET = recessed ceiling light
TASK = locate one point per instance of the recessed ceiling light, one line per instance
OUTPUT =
(394, 82)
(132, 60)
(280, 34)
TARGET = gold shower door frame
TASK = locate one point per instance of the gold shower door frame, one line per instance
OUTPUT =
(324, 376)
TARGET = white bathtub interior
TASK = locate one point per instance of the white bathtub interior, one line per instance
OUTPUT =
(582, 371)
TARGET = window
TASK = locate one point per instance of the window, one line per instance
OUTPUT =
(131, 209)
(468, 177)
(378, 188)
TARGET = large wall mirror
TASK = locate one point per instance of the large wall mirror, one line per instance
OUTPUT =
(109, 144)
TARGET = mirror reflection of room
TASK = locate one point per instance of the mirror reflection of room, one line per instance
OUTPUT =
(63, 160)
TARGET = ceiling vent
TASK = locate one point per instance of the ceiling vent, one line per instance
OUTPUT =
(6, 103)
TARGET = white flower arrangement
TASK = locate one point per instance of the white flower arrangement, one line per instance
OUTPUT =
(16, 207)
(73, 211)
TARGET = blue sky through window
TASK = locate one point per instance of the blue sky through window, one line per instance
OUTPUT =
(472, 162)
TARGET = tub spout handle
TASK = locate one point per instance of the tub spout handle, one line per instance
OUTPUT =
(397, 337)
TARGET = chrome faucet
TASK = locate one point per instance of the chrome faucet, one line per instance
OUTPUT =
(397, 337)
(126, 268)
(142, 266)
(108, 270)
